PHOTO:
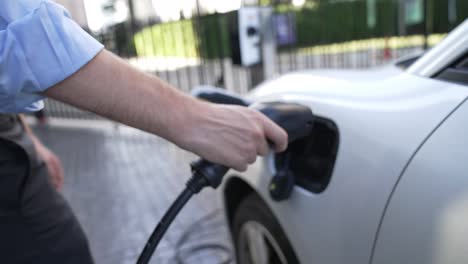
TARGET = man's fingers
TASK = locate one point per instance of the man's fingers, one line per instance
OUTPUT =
(60, 171)
(262, 148)
(59, 174)
(59, 178)
(275, 134)
(240, 168)
(56, 172)
(52, 174)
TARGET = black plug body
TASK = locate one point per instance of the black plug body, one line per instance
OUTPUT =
(281, 185)
(211, 172)
(297, 120)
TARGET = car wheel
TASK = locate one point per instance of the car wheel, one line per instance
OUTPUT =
(258, 237)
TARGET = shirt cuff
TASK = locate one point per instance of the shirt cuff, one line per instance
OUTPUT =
(53, 45)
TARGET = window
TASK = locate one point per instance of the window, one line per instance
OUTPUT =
(457, 72)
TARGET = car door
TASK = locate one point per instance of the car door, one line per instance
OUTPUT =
(426, 220)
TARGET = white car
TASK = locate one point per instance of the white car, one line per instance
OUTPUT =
(383, 177)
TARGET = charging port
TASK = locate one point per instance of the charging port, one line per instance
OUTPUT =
(311, 159)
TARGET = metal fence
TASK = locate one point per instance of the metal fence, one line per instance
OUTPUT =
(196, 51)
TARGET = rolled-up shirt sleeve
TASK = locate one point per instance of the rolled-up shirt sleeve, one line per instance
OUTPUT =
(40, 46)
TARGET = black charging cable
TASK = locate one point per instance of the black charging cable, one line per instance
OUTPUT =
(295, 119)
(204, 174)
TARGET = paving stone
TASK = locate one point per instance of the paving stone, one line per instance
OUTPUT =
(121, 181)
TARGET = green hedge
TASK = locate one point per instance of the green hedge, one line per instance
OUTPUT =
(214, 36)
(343, 21)
(173, 39)
(181, 38)
(322, 23)
(438, 12)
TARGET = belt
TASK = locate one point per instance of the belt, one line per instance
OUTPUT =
(8, 124)
(11, 129)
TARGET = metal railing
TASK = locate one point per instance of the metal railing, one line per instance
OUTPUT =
(192, 52)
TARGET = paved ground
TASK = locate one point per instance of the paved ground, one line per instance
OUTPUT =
(120, 181)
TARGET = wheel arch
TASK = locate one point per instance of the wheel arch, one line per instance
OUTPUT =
(234, 192)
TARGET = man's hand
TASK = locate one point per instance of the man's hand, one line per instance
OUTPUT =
(53, 163)
(54, 166)
(230, 135)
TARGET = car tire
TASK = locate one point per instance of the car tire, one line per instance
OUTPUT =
(258, 237)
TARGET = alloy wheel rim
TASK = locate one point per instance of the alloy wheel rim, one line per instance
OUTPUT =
(256, 245)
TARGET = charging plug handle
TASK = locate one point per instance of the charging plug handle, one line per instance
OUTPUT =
(297, 120)
(211, 172)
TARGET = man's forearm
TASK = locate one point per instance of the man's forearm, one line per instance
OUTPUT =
(228, 135)
(110, 87)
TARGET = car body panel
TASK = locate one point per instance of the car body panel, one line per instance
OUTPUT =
(360, 75)
(381, 123)
(426, 220)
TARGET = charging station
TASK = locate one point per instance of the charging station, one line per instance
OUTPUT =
(252, 40)
(245, 36)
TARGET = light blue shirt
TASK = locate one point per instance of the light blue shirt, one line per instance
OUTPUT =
(40, 45)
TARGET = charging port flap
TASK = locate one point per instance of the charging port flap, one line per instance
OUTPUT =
(311, 159)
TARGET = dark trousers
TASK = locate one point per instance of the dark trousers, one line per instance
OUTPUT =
(36, 224)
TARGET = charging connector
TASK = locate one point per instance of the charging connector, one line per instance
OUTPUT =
(295, 119)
